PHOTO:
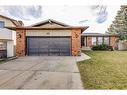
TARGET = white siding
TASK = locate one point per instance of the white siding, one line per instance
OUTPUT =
(122, 45)
(10, 48)
(48, 33)
(7, 22)
(5, 34)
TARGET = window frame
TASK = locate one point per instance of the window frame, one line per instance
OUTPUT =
(105, 42)
(95, 40)
(99, 41)
(1, 24)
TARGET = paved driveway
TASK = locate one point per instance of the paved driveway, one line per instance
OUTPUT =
(34, 72)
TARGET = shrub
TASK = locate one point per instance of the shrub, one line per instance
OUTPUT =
(102, 47)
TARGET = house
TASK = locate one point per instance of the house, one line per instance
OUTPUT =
(48, 38)
(6, 36)
(90, 39)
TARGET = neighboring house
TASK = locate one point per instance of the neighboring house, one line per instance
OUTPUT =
(7, 36)
(48, 38)
(122, 45)
(90, 39)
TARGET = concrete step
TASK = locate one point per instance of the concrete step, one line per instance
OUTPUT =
(86, 48)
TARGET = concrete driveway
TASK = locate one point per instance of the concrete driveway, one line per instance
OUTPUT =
(38, 72)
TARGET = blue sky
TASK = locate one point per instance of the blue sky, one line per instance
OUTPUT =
(98, 18)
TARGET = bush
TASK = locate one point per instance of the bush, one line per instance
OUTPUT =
(102, 47)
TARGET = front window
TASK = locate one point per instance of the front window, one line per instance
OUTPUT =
(100, 41)
(106, 40)
(1, 24)
(94, 40)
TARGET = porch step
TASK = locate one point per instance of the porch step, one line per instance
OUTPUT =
(86, 48)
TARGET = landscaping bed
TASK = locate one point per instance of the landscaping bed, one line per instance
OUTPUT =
(105, 70)
(1, 61)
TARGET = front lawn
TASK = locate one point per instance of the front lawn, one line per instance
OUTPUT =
(2, 61)
(105, 70)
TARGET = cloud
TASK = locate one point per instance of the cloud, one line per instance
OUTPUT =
(83, 21)
(100, 12)
(73, 15)
(22, 12)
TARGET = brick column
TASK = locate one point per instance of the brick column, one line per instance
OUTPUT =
(89, 41)
(76, 42)
(103, 39)
(113, 41)
(20, 42)
(96, 40)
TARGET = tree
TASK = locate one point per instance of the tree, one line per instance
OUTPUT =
(119, 25)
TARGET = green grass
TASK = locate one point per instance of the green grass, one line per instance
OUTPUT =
(2, 61)
(105, 70)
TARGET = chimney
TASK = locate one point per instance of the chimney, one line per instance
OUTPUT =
(21, 23)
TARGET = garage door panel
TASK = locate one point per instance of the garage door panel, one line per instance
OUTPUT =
(43, 42)
(49, 46)
(54, 51)
(43, 51)
(32, 43)
(33, 51)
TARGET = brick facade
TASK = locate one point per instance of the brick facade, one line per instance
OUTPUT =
(43, 28)
(112, 41)
(89, 41)
(76, 42)
(20, 42)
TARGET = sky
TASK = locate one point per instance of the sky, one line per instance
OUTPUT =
(97, 17)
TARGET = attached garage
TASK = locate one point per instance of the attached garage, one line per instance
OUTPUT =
(48, 42)
(49, 46)
(49, 38)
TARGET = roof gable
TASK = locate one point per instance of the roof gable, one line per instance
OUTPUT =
(50, 23)
(15, 22)
(6, 17)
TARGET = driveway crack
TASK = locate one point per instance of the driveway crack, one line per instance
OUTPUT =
(28, 79)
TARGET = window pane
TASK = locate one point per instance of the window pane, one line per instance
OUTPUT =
(1, 24)
(93, 40)
(100, 41)
(106, 40)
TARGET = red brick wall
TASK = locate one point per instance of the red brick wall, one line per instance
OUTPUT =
(96, 40)
(20, 42)
(76, 42)
(113, 41)
(89, 41)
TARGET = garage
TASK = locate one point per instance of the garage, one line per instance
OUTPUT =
(48, 46)
(48, 38)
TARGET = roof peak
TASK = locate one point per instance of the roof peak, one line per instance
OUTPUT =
(6, 17)
(15, 22)
(50, 21)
